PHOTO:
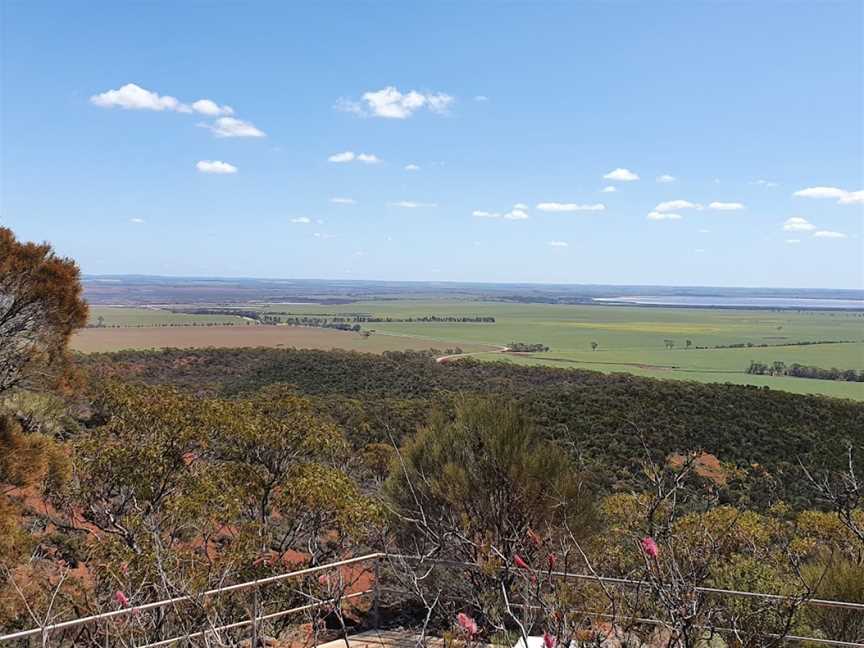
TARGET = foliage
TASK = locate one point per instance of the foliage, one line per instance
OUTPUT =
(40, 306)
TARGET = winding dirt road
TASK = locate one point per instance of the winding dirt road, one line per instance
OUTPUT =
(456, 356)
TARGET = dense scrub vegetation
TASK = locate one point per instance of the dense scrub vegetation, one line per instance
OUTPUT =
(758, 435)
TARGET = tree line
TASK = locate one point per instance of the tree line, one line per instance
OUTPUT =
(778, 368)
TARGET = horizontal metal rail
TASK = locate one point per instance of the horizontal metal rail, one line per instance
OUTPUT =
(638, 583)
(45, 630)
(246, 622)
(63, 625)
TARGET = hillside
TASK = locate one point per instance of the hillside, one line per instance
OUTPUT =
(758, 435)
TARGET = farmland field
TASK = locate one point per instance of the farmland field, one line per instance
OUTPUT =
(116, 339)
(629, 339)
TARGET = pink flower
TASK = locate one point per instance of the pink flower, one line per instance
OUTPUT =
(468, 625)
(552, 559)
(521, 564)
(649, 546)
(549, 641)
(533, 538)
(121, 599)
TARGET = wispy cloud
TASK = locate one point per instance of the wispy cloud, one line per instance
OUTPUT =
(233, 127)
(137, 221)
(726, 206)
(481, 98)
(301, 220)
(390, 103)
(621, 175)
(793, 241)
(412, 167)
(350, 156)
(609, 189)
(215, 166)
(658, 216)
(558, 244)
(676, 205)
(343, 201)
(518, 212)
(570, 207)
(410, 204)
(765, 183)
(666, 178)
(798, 224)
(843, 196)
(829, 234)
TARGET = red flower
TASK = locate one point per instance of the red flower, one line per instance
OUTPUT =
(552, 559)
(121, 599)
(521, 564)
(468, 625)
(533, 538)
(549, 641)
(649, 546)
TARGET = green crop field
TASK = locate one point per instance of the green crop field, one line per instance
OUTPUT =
(152, 316)
(629, 339)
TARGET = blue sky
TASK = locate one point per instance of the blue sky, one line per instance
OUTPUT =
(513, 112)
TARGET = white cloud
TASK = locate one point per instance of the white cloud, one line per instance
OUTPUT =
(301, 219)
(390, 103)
(726, 206)
(562, 244)
(481, 98)
(569, 207)
(343, 201)
(347, 156)
(609, 189)
(764, 183)
(798, 224)
(829, 234)
(137, 221)
(412, 167)
(134, 97)
(519, 212)
(350, 156)
(676, 205)
(657, 216)
(322, 235)
(233, 127)
(853, 198)
(843, 197)
(821, 192)
(704, 231)
(621, 175)
(666, 178)
(793, 241)
(211, 108)
(410, 204)
(215, 166)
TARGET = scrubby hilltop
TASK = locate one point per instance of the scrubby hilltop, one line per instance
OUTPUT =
(757, 436)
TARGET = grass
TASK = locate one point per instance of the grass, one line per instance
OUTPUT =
(630, 339)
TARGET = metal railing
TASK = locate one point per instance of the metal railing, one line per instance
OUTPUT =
(45, 631)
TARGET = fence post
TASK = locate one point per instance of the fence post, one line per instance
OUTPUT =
(376, 593)
(255, 617)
